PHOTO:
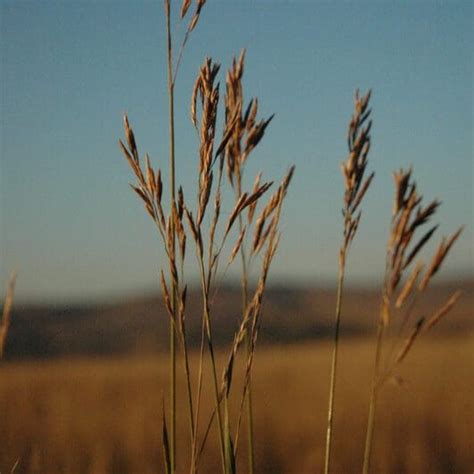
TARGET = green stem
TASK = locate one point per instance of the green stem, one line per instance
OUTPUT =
(250, 445)
(207, 319)
(187, 370)
(332, 387)
(172, 337)
(229, 452)
(373, 400)
(194, 454)
(188, 386)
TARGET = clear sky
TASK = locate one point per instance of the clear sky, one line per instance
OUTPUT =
(69, 69)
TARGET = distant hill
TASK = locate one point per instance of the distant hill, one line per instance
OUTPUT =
(139, 325)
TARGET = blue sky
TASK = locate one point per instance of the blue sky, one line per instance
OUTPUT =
(69, 70)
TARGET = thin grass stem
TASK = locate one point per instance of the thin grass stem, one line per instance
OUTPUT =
(172, 336)
(249, 407)
(194, 453)
(373, 400)
(332, 386)
(207, 319)
(189, 388)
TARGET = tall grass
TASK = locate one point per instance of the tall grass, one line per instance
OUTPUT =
(172, 243)
(400, 294)
(254, 228)
(182, 223)
(356, 186)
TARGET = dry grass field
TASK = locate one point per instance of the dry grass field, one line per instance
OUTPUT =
(138, 325)
(84, 415)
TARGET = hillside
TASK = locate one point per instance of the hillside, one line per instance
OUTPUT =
(139, 325)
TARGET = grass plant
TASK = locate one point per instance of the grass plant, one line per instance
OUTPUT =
(209, 233)
(211, 223)
(356, 186)
(400, 293)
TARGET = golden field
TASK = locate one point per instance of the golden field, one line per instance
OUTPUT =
(85, 415)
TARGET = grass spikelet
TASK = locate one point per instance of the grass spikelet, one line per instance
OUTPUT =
(410, 340)
(409, 285)
(438, 258)
(445, 309)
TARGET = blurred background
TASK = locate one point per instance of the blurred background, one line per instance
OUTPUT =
(88, 328)
(70, 70)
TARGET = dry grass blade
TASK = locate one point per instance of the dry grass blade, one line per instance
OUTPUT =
(410, 340)
(184, 8)
(239, 205)
(253, 206)
(141, 194)
(256, 195)
(195, 18)
(443, 310)
(237, 246)
(419, 246)
(132, 144)
(166, 443)
(150, 176)
(6, 313)
(13, 469)
(409, 285)
(363, 190)
(423, 214)
(166, 295)
(439, 256)
(402, 180)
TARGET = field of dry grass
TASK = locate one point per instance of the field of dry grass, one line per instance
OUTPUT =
(104, 415)
(139, 325)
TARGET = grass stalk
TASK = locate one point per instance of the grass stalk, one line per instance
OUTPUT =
(248, 344)
(194, 453)
(409, 215)
(208, 324)
(332, 387)
(188, 388)
(373, 400)
(172, 336)
(356, 186)
(250, 438)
